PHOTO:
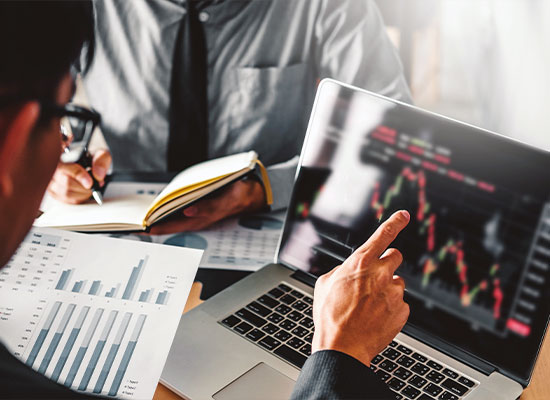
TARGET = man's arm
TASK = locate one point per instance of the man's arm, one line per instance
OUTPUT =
(331, 374)
(351, 45)
(358, 309)
(354, 47)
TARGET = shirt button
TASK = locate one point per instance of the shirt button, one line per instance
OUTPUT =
(203, 16)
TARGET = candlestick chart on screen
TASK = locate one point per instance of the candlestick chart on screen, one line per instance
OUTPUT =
(465, 246)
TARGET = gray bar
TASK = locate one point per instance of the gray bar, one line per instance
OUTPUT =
(144, 295)
(161, 297)
(77, 286)
(56, 338)
(134, 279)
(63, 280)
(97, 351)
(127, 356)
(95, 288)
(43, 333)
(115, 290)
(112, 353)
(70, 343)
(83, 347)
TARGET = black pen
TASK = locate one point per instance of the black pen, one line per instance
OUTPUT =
(86, 162)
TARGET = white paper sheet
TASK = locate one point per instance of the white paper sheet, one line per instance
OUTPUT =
(94, 313)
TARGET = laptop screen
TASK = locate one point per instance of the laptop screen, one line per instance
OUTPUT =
(477, 249)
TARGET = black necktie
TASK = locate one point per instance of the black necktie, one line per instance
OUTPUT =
(188, 141)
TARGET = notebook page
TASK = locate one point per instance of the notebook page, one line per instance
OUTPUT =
(119, 210)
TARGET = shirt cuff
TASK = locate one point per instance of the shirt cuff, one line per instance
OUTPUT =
(330, 374)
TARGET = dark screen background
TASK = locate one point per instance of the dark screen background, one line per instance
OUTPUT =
(477, 250)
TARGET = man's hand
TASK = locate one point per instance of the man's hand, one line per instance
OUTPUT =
(241, 196)
(358, 307)
(71, 183)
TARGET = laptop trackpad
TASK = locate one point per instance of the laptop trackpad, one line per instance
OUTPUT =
(262, 381)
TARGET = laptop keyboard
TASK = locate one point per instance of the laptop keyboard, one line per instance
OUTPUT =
(281, 322)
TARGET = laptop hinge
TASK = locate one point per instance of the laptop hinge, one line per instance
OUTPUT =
(449, 349)
(304, 278)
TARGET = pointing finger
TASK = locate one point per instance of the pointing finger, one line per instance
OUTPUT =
(384, 235)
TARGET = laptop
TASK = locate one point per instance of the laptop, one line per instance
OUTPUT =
(476, 259)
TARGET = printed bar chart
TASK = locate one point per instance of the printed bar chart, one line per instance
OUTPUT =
(98, 350)
(162, 298)
(87, 319)
(56, 338)
(83, 347)
(79, 287)
(145, 296)
(64, 279)
(43, 333)
(113, 292)
(96, 287)
(129, 289)
(112, 353)
(127, 355)
(134, 279)
(70, 343)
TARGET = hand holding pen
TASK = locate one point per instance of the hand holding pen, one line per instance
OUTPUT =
(86, 161)
(73, 183)
(76, 182)
(80, 173)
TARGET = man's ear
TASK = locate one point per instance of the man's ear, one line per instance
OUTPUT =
(17, 130)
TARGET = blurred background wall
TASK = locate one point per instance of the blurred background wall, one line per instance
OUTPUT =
(486, 62)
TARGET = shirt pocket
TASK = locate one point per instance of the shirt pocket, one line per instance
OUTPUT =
(269, 109)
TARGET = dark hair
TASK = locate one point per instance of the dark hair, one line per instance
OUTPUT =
(40, 41)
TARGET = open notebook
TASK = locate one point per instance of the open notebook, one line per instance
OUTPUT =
(138, 212)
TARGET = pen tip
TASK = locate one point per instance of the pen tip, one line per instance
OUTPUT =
(97, 197)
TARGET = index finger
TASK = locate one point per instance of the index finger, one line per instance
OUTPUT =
(384, 235)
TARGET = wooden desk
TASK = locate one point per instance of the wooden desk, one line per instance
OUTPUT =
(538, 390)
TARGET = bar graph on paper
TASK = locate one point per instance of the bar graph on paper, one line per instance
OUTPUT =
(123, 290)
(90, 320)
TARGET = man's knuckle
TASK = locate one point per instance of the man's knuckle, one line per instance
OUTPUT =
(388, 230)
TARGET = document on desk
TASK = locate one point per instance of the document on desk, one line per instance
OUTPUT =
(92, 313)
(244, 243)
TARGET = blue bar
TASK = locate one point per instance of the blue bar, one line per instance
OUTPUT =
(144, 295)
(83, 348)
(112, 353)
(69, 345)
(132, 281)
(106, 368)
(91, 365)
(95, 287)
(63, 280)
(117, 381)
(43, 333)
(122, 368)
(161, 297)
(64, 354)
(56, 338)
(37, 346)
(76, 365)
(77, 286)
(97, 351)
(49, 353)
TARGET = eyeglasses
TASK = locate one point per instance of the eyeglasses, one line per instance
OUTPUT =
(76, 129)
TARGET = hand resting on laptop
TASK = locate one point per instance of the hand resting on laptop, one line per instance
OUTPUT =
(358, 307)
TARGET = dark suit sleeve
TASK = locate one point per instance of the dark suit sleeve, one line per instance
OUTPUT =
(18, 381)
(331, 374)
